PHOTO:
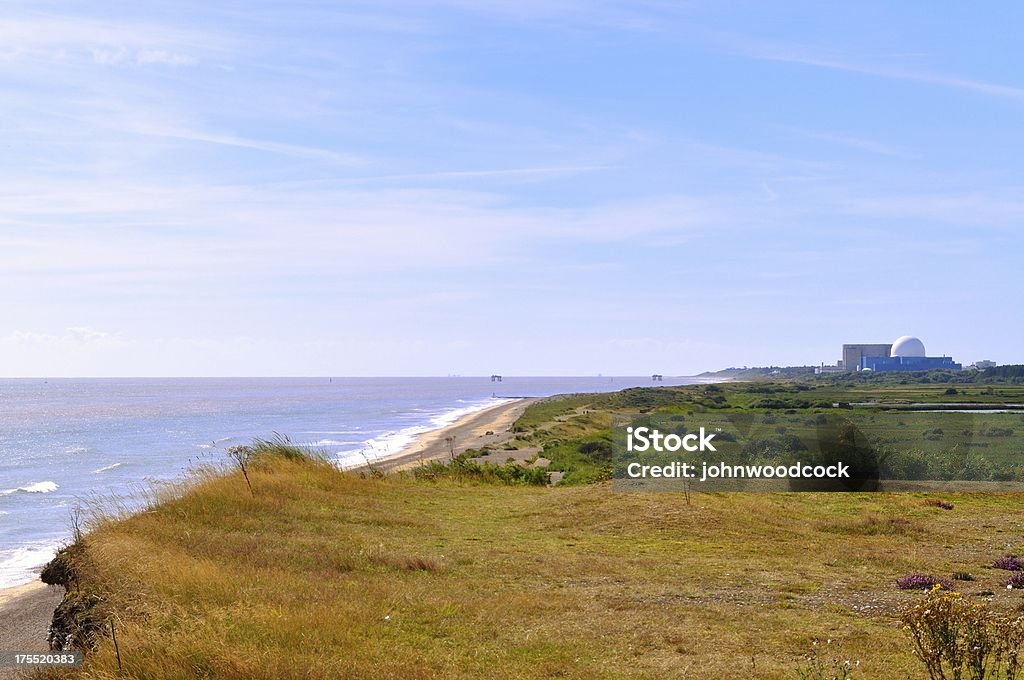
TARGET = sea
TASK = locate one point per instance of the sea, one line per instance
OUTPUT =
(67, 444)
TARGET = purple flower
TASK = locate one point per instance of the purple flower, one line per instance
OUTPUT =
(1016, 580)
(1010, 563)
(922, 582)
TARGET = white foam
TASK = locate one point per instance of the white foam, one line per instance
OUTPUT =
(391, 443)
(76, 449)
(38, 487)
(332, 442)
(107, 468)
(352, 431)
(21, 565)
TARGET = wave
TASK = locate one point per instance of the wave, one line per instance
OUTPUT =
(355, 430)
(76, 449)
(332, 442)
(38, 487)
(107, 468)
(389, 444)
(21, 565)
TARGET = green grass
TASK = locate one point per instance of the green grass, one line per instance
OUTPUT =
(463, 469)
(459, 572)
(978, 446)
(324, 574)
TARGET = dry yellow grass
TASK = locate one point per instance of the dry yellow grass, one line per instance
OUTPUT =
(324, 574)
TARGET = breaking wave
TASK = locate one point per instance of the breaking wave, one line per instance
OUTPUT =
(38, 487)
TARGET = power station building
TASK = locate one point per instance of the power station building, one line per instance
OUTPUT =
(853, 354)
(905, 354)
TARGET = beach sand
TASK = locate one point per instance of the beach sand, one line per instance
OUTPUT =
(25, 614)
(470, 432)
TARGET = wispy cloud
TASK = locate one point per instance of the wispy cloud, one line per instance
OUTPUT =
(296, 150)
(524, 173)
(74, 336)
(856, 142)
(755, 49)
(63, 39)
(982, 210)
(399, 168)
(165, 57)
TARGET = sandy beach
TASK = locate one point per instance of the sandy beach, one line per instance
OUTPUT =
(470, 431)
(25, 613)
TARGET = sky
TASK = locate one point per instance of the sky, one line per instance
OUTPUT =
(524, 187)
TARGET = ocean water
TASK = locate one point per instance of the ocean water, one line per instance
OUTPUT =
(71, 442)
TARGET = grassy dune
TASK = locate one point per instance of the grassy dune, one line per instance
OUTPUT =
(454, 572)
(320, 573)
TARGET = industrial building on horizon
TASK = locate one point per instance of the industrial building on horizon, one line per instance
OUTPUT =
(905, 354)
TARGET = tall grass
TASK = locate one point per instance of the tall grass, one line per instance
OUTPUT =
(322, 573)
(464, 469)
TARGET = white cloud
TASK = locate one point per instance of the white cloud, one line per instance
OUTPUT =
(70, 338)
(126, 226)
(165, 57)
(63, 38)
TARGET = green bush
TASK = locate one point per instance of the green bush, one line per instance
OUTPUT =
(464, 469)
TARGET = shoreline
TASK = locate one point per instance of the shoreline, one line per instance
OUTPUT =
(26, 610)
(11, 593)
(469, 431)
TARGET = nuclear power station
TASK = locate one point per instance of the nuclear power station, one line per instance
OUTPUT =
(904, 354)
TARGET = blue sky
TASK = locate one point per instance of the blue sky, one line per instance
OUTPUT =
(468, 187)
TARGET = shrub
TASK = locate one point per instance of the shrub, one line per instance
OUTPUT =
(962, 576)
(1016, 581)
(464, 469)
(64, 568)
(1009, 562)
(599, 449)
(922, 582)
(952, 636)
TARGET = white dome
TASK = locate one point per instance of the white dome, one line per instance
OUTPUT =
(907, 346)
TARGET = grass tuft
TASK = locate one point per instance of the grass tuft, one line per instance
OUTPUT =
(872, 525)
